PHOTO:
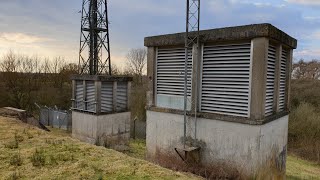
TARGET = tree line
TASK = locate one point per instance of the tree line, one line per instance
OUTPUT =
(306, 69)
(26, 80)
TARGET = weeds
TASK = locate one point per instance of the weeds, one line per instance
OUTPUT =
(304, 132)
(16, 160)
(12, 145)
(52, 160)
(38, 158)
(14, 176)
(18, 137)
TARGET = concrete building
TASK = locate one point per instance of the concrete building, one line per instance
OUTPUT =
(100, 113)
(238, 82)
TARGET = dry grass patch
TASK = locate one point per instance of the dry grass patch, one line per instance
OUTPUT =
(55, 155)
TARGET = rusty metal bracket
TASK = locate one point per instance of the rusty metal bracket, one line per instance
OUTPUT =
(186, 151)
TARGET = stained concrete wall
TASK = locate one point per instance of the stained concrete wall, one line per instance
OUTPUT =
(249, 148)
(91, 128)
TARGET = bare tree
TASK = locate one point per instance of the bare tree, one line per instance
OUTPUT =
(115, 71)
(306, 70)
(10, 62)
(136, 62)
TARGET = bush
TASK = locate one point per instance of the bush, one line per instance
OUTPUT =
(304, 132)
(38, 158)
(12, 145)
(16, 160)
(14, 176)
(305, 91)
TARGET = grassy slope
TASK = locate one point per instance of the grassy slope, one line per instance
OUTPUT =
(66, 158)
(301, 169)
(91, 162)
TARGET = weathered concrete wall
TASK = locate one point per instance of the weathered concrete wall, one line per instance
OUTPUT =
(114, 125)
(84, 127)
(91, 128)
(249, 148)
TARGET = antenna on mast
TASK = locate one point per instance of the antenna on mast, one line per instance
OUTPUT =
(94, 54)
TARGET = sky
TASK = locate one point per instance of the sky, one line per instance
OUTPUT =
(51, 28)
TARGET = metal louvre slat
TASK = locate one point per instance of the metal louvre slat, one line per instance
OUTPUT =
(282, 86)
(270, 80)
(170, 71)
(90, 96)
(107, 97)
(225, 79)
(122, 96)
(79, 95)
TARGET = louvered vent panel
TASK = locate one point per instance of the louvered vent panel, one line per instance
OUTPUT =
(122, 96)
(79, 96)
(283, 79)
(270, 80)
(107, 97)
(90, 96)
(170, 71)
(226, 79)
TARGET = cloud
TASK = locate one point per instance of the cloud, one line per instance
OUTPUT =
(22, 38)
(163, 7)
(307, 54)
(305, 2)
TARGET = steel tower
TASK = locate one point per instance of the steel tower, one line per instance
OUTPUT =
(94, 54)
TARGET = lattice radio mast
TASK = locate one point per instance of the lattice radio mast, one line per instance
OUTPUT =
(94, 54)
(192, 25)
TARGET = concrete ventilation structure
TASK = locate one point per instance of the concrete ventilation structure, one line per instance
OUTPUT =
(243, 101)
(100, 113)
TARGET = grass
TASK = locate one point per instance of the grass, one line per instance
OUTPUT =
(296, 167)
(55, 155)
(301, 169)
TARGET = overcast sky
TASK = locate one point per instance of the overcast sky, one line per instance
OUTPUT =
(51, 28)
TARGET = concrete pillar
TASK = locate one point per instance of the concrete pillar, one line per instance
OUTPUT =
(259, 55)
(129, 95)
(84, 95)
(74, 94)
(196, 74)
(276, 107)
(151, 66)
(115, 88)
(98, 96)
(289, 75)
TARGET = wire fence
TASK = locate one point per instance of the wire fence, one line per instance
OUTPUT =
(56, 118)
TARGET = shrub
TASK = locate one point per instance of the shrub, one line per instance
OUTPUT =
(12, 145)
(305, 91)
(14, 176)
(16, 160)
(38, 158)
(304, 132)
(18, 138)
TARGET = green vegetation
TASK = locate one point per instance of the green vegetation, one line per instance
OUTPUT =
(137, 149)
(304, 124)
(301, 169)
(56, 155)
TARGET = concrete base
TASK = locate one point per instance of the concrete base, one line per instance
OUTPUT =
(104, 130)
(251, 149)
